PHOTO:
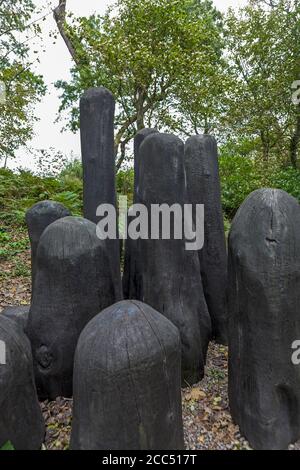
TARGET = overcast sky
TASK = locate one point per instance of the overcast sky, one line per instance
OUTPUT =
(55, 64)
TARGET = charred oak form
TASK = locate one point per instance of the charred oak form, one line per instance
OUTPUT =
(171, 276)
(38, 217)
(132, 288)
(19, 314)
(203, 186)
(73, 283)
(97, 108)
(127, 382)
(21, 420)
(138, 140)
(264, 286)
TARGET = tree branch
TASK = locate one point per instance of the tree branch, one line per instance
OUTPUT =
(59, 14)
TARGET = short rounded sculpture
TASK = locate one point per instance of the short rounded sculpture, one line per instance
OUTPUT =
(74, 281)
(21, 419)
(127, 380)
(38, 217)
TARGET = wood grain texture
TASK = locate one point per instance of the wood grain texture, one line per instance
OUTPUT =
(264, 321)
(171, 279)
(19, 314)
(127, 379)
(38, 217)
(74, 282)
(21, 419)
(132, 282)
(97, 109)
(203, 186)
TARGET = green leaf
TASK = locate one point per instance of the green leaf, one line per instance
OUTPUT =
(7, 446)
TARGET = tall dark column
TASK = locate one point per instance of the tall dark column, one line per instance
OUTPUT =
(97, 108)
(132, 287)
(203, 186)
(171, 276)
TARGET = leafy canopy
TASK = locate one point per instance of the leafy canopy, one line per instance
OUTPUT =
(23, 87)
(146, 53)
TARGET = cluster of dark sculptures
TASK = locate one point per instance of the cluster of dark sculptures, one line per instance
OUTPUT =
(124, 347)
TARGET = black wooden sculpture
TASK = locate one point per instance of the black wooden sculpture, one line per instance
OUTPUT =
(264, 321)
(132, 288)
(171, 276)
(203, 186)
(97, 109)
(38, 217)
(21, 419)
(19, 314)
(127, 382)
(74, 282)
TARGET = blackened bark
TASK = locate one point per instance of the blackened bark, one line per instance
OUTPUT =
(74, 282)
(129, 396)
(97, 108)
(203, 187)
(21, 419)
(171, 279)
(38, 217)
(132, 288)
(264, 286)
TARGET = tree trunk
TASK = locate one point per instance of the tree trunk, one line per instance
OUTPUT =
(59, 14)
(265, 146)
(5, 161)
(295, 141)
(140, 110)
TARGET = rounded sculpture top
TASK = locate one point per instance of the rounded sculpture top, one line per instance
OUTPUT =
(264, 227)
(68, 238)
(143, 133)
(97, 93)
(206, 139)
(162, 142)
(162, 154)
(43, 213)
(127, 335)
(201, 156)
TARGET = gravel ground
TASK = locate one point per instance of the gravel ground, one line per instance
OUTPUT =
(207, 421)
(206, 417)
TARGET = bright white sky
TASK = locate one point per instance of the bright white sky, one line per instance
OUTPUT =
(55, 64)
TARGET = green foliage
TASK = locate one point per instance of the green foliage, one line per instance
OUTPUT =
(71, 174)
(181, 66)
(239, 177)
(18, 192)
(23, 87)
(242, 175)
(263, 62)
(72, 169)
(125, 184)
(150, 54)
(287, 179)
(12, 245)
(7, 446)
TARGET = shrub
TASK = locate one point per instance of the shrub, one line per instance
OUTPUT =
(242, 175)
